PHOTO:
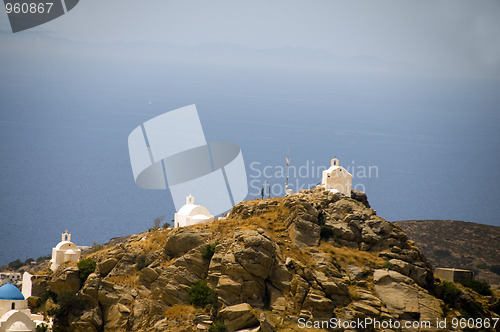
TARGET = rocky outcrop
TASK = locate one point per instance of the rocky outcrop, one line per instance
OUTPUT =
(65, 280)
(247, 269)
(173, 282)
(404, 298)
(312, 255)
(182, 240)
(239, 316)
(106, 266)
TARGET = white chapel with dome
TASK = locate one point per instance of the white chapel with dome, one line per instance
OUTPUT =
(191, 214)
(337, 179)
(65, 251)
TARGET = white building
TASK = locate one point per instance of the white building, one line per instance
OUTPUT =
(191, 214)
(14, 312)
(12, 277)
(65, 251)
(337, 179)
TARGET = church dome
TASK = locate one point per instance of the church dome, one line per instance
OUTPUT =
(186, 209)
(10, 292)
(19, 327)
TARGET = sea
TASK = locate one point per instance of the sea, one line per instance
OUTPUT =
(421, 147)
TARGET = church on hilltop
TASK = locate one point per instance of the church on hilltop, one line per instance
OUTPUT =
(191, 214)
(65, 251)
(337, 179)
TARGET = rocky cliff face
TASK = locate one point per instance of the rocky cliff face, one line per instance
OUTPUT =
(313, 255)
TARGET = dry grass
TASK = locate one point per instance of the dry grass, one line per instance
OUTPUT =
(155, 240)
(124, 280)
(346, 256)
(181, 312)
(353, 292)
(99, 253)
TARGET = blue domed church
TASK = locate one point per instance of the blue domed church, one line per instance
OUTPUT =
(14, 312)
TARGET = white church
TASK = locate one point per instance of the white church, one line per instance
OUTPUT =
(65, 251)
(337, 179)
(191, 214)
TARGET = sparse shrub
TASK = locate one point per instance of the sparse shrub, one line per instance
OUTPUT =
(141, 262)
(97, 248)
(495, 269)
(218, 326)
(209, 250)
(16, 264)
(326, 232)
(68, 303)
(480, 287)
(86, 267)
(321, 219)
(156, 224)
(28, 261)
(42, 328)
(49, 295)
(200, 294)
(42, 259)
(450, 293)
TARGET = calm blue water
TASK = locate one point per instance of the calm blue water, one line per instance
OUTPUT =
(64, 159)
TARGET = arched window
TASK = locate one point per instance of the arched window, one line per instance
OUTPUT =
(13, 306)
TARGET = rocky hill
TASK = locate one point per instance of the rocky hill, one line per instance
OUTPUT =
(459, 244)
(271, 264)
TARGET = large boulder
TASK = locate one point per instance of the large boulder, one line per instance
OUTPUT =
(181, 240)
(105, 266)
(65, 280)
(239, 317)
(404, 298)
(147, 275)
(115, 301)
(240, 269)
(361, 197)
(304, 233)
(171, 284)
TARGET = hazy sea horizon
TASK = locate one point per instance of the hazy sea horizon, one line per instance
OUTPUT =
(64, 163)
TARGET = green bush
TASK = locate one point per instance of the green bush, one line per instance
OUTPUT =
(49, 295)
(86, 267)
(200, 294)
(68, 303)
(480, 287)
(42, 259)
(450, 293)
(16, 264)
(42, 328)
(326, 232)
(209, 250)
(217, 327)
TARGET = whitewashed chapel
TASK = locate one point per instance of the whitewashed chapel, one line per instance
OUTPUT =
(337, 179)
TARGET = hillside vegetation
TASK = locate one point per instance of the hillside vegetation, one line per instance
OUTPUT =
(311, 256)
(459, 244)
